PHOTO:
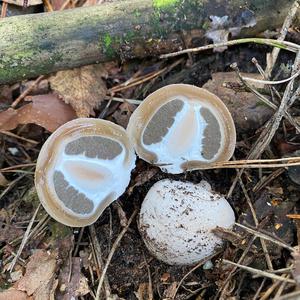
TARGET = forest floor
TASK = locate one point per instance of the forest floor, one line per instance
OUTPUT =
(43, 259)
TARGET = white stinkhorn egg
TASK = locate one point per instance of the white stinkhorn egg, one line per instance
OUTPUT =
(83, 166)
(176, 220)
(181, 127)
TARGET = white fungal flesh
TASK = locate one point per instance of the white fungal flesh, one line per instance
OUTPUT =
(83, 166)
(176, 220)
(94, 177)
(184, 140)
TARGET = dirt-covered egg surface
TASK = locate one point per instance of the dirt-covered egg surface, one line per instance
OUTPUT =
(82, 167)
(182, 127)
(176, 220)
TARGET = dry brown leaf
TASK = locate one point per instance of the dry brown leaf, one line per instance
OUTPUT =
(74, 287)
(3, 180)
(21, 2)
(123, 113)
(13, 294)
(39, 274)
(47, 111)
(82, 87)
(142, 292)
(142, 178)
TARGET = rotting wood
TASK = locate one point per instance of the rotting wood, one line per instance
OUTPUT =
(33, 45)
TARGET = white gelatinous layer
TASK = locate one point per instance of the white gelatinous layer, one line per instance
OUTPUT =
(106, 176)
(76, 181)
(184, 140)
(176, 220)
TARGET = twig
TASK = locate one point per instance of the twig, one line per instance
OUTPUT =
(263, 244)
(118, 99)
(24, 240)
(199, 264)
(17, 166)
(112, 251)
(267, 134)
(271, 42)
(259, 289)
(27, 91)
(259, 272)
(266, 237)
(272, 82)
(3, 9)
(150, 285)
(8, 133)
(100, 262)
(140, 80)
(272, 57)
(48, 5)
(291, 296)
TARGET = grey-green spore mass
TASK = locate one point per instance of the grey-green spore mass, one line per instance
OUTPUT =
(211, 141)
(94, 146)
(71, 198)
(160, 123)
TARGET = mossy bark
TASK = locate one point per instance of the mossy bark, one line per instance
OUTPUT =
(32, 45)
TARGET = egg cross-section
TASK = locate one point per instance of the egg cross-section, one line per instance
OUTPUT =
(182, 127)
(83, 166)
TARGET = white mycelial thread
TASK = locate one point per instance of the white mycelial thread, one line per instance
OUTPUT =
(176, 220)
(95, 178)
(184, 140)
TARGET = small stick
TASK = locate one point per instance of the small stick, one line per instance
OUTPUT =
(8, 133)
(286, 24)
(18, 166)
(100, 262)
(48, 5)
(259, 272)
(263, 244)
(271, 42)
(118, 99)
(199, 264)
(265, 237)
(24, 240)
(112, 251)
(3, 9)
(27, 91)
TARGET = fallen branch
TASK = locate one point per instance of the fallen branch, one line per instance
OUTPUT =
(33, 45)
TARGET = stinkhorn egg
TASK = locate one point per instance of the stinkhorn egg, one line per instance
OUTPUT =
(176, 220)
(181, 127)
(82, 167)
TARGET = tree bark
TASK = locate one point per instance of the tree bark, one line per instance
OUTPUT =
(32, 45)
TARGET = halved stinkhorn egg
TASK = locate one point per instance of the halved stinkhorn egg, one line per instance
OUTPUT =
(83, 166)
(181, 127)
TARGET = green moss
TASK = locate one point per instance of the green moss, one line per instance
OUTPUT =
(107, 40)
(159, 4)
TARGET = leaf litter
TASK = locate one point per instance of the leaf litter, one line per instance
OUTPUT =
(83, 88)
(47, 111)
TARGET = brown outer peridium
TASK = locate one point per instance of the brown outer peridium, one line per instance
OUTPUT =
(78, 127)
(143, 114)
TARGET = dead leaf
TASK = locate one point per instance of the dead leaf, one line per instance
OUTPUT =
(21, 2)
(13, 294)
(3, 180)
(47, 111)
(142, 178)
(8, 232)
(165, 277)
(123, 113)
(39, 274)
(142, 293)
(82, 87)
(74, 286)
